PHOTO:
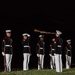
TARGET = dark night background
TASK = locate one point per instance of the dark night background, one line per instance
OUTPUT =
(23, 17)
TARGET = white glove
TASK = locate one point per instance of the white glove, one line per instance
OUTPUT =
(38, 55)
(3, 53)
(66, 55)
(28, 35)
(54, 54)
(50, 54)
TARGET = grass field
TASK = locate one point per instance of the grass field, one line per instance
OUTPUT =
(40, 72)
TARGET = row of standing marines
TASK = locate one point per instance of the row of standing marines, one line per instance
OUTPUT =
(55, 52)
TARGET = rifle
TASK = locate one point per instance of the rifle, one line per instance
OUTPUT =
(4, 58)
(4, 63)
(43, 32)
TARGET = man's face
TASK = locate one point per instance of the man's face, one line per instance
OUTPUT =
(24, 37)
(8, 34)
(69, 43)
(57, 35)
(42, 39)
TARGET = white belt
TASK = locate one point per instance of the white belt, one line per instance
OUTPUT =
(26, 46)
(8, 45)
(41, 48)
(58, 45)
(53, 49)
(68, 50)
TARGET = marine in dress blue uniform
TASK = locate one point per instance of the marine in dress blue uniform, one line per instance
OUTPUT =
(7, 50)
(26, 51)
(68, 54)
(52, 53)
(58, 55)
(40, 52)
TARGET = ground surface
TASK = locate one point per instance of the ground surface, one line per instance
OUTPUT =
(41, 72)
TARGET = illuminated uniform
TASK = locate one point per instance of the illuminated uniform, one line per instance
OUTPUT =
(26, 52)
(68, 55)
(58, 56)
(7, 51)
(40, 53)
